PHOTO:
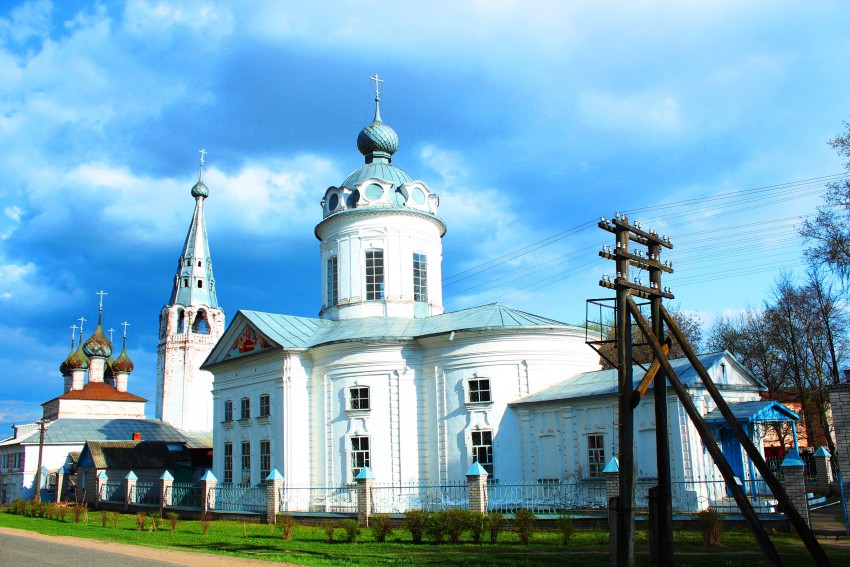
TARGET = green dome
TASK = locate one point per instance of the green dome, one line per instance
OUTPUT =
(377, 139)
(200, 190)
(98, 345)
(123, 362)
(376, 170)
(78, 359)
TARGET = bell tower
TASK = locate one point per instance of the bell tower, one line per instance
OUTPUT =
(189, 327)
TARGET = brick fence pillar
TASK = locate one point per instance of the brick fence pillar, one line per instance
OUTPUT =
(130, 488)
(839, 400)
(611, 474)
(793, 468)
(208, 483)
(476, 486)
(823, 470)
(274, 484)
(364, 481)
(165, 483)
(100, 486)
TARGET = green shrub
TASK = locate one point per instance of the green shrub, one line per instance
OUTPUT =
(496, 523)
(477, 525)
(415, 522)
(116, 516)
(381, 527)
(63, 511)
(524, 521)
(173, 518)
(51, 510)
(567, 527)
(456, 522)
(285, 523)
(329, 527)
(709, 522)
(352, 529)
(18, 506)
(436, 526)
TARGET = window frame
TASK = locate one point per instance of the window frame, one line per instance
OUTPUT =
(375, 275)
(265, 459)
(475, 390)
(245, 408)
(265, 406)
(245, 458)
(482, 449)
(360, 456)
(228, 411)
(228, 462)
(355, 403)
(333, 281)
(420, 277)
(595, 455)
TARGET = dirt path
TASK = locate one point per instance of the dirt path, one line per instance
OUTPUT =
(141, 552)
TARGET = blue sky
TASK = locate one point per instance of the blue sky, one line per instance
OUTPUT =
(530, 119)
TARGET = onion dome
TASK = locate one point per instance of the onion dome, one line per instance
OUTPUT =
(98, 345)
(200, 190)
(77, 360)
(123, 362)
(377, 140)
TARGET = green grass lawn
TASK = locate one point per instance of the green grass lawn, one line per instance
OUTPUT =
(309, 545)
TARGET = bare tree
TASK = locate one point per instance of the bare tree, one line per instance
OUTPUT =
(829, 231)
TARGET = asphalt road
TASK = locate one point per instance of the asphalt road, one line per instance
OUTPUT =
(17, 551)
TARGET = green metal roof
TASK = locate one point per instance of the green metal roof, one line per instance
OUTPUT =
(297, 333)
(68, 430)
(604, 382)
(376, 170)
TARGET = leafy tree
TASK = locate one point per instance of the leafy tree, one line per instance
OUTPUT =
(829, 231)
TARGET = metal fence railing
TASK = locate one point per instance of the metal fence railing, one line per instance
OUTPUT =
(113, 491)
(546, 497)
(318, 498)
(394, 499)
(186, 495)
(237, 498)
(147, 493)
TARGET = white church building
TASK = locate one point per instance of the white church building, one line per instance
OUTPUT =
(385, 379)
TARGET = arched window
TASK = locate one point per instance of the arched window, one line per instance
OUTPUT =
(201, 326)
(200, 283)
(181, 321)
(199, 263)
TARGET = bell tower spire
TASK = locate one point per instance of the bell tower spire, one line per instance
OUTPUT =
(189, 327)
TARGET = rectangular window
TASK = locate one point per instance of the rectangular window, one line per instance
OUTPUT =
(265, 459)
(479, 390)
(17, 460)
(374, 274)
(333, 281)
(265, 406)
(482, 449)
(595, 455)
(228, 410)
(359, 397)
(360, 456)
(420, 277)
(228, 462)
(246, 408)
(246, 462)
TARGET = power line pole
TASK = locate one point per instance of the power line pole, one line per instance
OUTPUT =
(625, 288)
(37, 497)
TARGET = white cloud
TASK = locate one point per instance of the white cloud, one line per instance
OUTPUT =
(645, 113)
(31, 19)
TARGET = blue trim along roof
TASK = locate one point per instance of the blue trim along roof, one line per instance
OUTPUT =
(604, 382)
(754, 412)
(298, 333)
